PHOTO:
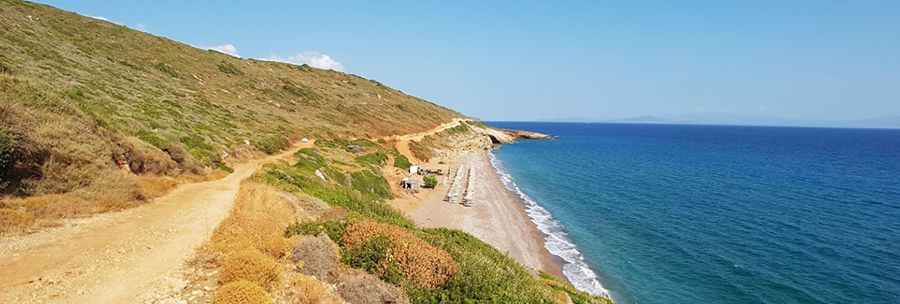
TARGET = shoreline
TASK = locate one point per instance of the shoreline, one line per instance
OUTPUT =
(555, 240)
(498, 215)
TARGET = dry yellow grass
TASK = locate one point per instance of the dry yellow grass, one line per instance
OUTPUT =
(155, 186)
(14, 220)
(250, 265)
(307, 290)
(242, 292)
(258, 221)
(113, 191)
(423, 264)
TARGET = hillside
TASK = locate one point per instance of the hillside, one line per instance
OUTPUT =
(81, 98)
(96, 117)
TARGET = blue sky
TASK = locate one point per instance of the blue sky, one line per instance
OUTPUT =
(522, 60)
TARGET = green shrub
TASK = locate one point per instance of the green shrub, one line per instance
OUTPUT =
(334, 229)
(401, 161)
(372, 159)
(485, 274)
(271, 144)
(309, 160)
(461, 128)
(430, 182)
(369, 255)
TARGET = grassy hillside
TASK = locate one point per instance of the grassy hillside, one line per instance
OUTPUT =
(82, 98)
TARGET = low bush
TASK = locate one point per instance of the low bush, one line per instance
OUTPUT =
(374, 256)
(307, 290)
(430, 181)
(334, 229)
(372, 159)
(400, 161)
(377, 247)
(14, 220)
(358, 287)
(317, 256)
(271, 144)
(242, 292)
(250, 265)
(257, 221)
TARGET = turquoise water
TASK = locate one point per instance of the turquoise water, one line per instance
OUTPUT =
(717, 214)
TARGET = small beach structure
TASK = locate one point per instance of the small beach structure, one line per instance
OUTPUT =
(409, 183)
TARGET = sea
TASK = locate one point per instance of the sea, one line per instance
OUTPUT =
(650, 213)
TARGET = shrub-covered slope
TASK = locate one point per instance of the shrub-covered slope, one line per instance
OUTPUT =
(81, 96)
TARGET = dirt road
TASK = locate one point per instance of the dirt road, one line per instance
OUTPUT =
(402, 144)
(132, 256)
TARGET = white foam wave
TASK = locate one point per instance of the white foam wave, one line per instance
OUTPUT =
(556, 239)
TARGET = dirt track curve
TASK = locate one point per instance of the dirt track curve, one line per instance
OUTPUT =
(133, 256)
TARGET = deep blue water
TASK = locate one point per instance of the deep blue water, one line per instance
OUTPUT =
(722, 214)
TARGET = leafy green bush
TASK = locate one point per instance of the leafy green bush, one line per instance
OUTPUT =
(430, 182)
(401, 161)
(372, 159)
(375, 257)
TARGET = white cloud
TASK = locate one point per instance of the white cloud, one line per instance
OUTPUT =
(313, 59)
(227, 48)
(105, 19)
(99, 18)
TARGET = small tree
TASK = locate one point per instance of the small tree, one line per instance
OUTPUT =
(430, 181)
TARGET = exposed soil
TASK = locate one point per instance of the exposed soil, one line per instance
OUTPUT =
(130, 256)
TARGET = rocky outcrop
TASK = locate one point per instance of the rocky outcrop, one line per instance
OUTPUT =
(505, 136)
(528, 135)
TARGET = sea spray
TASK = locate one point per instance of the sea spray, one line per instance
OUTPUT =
(556, 239)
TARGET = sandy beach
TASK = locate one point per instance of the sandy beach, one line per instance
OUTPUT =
(496, 215)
